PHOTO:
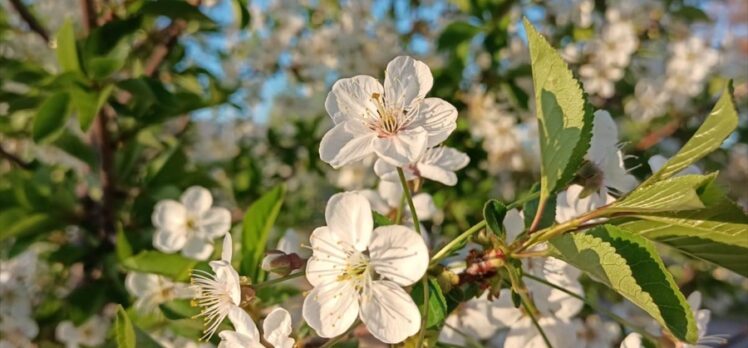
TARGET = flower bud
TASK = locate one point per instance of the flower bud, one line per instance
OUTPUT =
(280, 263)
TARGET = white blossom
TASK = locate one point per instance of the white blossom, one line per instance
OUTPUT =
(437, 163)
(217, 293)
(91, 333)
(153, 289)
(358, 271)
(396, 121)
(598, 333)
(189, 225)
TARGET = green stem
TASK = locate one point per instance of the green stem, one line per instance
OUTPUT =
(518, 286)
(596, 308)
(425, 279)
(556, 230)
(278, 280)
(449, 248)
(399, 216)
(537, 325)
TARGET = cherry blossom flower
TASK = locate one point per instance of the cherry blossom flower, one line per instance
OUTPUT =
(396, 121)
(702, 322)
(359, 271)
(153, 289)
(91, 333)
(437, 163)
(189, 225)
(598, 333)
(217, 293)
(388, 198)
(276, 330)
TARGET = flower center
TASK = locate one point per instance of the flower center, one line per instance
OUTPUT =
(388, 120)
(191, 223)
(356, 269)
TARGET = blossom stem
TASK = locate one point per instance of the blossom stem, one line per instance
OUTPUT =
(596, 307)
(425, 279)
(449, 248)
(278, 280)
(519, 287)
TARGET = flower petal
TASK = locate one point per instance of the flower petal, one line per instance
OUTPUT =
(227, 251)
(403, 148)
(348, 216)
(233, 339)
(330, 309)
(169, 241)
(169, 215)
(327, 258)
(243, 324)
(389, 312)
(438, 118)
(399, 254)
(351, 98)
(197, 199)
(343, 144)
(229, 278)
(514, 224)
(277, 328)
(215, 222)
(197, 248)
(425, 206)
(142, 284)
(449, 158)
(388, 172)
(406, 80)
(561, 333)
(437, 173)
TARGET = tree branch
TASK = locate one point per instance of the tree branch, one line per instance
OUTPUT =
(30, 20)
(14, 159)
(169, 38)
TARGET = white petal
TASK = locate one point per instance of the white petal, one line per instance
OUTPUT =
(324, 265)
(388, 172)
(277, 328)
(438, 118)
(403, 148)
(391, 192)
(331, 309)
(406, 80)
(197, 248)
(633, 340)
(503, 310)
(229, 278)
(169, 215)
(389, 312)
(228, 248)
(170, 241)
(378, 204)
(425, 207)
(66, 332)
(233, 339)
(351, 98)
(348, 215)
(215, 222)
(514, 224)
(399, 254)
(343, 144)
(655, 163)
(449, 158)
(244, 324)
(438, 174)
(560, 333)
(694, 300)
(142, 284)
(197, 199)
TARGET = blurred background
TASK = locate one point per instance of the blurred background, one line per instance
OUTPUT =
(229, 95)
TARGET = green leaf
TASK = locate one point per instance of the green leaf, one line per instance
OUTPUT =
(67, 51)
(530, 208)
(455, 34)
(494, 212)
(673, 194)
(381, 220)
(100, 68)
(630, 265)
(17, 222)
(240, 7)
(122, 246)
(437, 303)
(124, 333)
(88, 103)
(179, 309)
(717, 233)
(720, 123)
(256, 227)
(174, 266)
(564, 117)
(51, 117)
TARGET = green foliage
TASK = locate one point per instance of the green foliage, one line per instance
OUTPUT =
(494, 212)
(673, 194)
(564, 118)
(179, 309)
(124, 333)
(437, 305)
(717, 233)
(88, 103)
(256, 227)
(174, 266)
(67, 50)
(720, 123)
(51, 117)
(630, 265)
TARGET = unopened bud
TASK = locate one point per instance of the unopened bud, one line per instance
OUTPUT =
(447, 279)
(280, 263)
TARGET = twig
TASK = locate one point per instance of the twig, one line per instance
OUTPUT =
(14, 159)
(30, 20)
(89, 15)
(278, 280)
(656, 136)
(162, 49)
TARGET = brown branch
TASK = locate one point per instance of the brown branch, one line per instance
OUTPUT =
(14, 159)
(89, 15)
(657, 135)
(30, 20)
(169, 37)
